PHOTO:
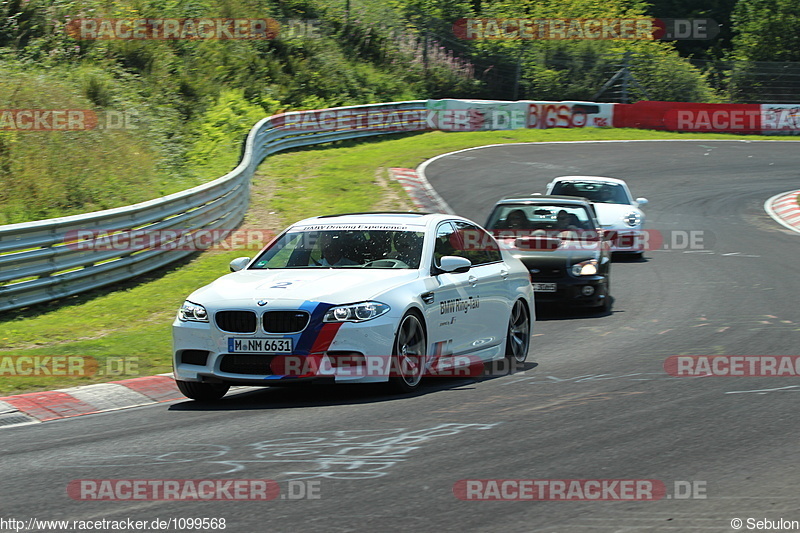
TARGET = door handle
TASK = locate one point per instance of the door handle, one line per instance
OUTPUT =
(504, 273)
(472, 280)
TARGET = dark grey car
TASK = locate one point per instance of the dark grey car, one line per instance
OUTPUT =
(561, 243)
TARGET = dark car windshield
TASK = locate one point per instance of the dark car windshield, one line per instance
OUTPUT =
(343, 249)
(523, 217)
(604, 193)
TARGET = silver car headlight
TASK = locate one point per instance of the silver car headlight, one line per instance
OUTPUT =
(192, 312)
(585, 268)
(358, 312)
(632, 219)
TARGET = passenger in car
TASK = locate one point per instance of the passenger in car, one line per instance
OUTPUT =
(567, 221)
(606, 195)
(333, 251)
(408, 247)
(516, 219)
(379, 245)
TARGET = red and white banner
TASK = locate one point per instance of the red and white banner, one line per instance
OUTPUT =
(478, 115)
(781, 119)
(543, 115)
(490, 115)
(687, 116)
(766, 119)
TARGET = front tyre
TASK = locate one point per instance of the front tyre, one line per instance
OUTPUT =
(202, 392)
(408, 354)
(518, 337)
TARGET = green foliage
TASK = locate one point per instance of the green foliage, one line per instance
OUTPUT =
(567, 70)
(766, 30)
(717, 10)
(96, 89)
(667, 77)
(576, 70)
(193, 99)
(221, 131)
(52, 173)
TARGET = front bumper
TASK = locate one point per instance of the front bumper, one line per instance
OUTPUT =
(573, 291)
(628, 240)
(200, 353)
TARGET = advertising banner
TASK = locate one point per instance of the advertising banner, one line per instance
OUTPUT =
(477, 115)
(780, 119)
(688, 116)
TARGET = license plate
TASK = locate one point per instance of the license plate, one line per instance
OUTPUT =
(266, 346)
(544, 287)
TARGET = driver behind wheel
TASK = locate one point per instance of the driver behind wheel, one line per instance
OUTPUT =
(334, 249)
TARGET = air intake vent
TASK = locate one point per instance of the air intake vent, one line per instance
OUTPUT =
(236, 321)
(194, 357)
(258, 365)
(285, 321)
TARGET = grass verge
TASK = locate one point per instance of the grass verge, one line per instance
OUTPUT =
(126, 329)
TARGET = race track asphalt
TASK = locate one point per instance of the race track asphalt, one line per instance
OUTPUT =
(594, 402)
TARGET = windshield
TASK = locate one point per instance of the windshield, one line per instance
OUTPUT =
(343, 249)
(538, 217)
(604, 193)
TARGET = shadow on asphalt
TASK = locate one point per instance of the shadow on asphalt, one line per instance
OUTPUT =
(310, 395)
(549, 311)
(618, 257)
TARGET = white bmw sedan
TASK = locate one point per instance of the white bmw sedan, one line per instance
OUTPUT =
(615, 207)
(358, 298)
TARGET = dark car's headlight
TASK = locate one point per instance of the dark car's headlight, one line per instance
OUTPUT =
(632, 219)
(192, 312)
(585, 268)
(359, 312)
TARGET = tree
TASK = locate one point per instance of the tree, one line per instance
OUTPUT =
(766, 30)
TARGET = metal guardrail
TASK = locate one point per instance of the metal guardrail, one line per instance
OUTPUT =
(43, 260)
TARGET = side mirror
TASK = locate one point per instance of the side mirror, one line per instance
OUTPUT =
(451, 263)
(239, 263)
(642, 201)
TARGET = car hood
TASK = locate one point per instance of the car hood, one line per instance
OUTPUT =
(549, 264)
(334, 286)
(556, 258)
(553, 255)
(611, 214)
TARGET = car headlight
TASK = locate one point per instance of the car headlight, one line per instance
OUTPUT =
(632, 219)
(192, 312)
(585, 268)
(359, 312)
